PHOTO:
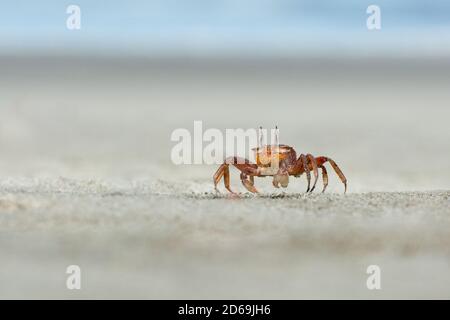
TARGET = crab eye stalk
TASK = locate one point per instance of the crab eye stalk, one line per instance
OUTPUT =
(260, 134)
(276, 136)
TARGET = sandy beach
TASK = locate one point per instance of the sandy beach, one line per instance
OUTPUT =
(86, 179)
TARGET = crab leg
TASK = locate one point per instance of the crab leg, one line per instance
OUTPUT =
(245, 166)
(249, 184)
(313, 163)
(304, 162)
(224, 172)
(219, 174)
(325, 178)
(321, 160)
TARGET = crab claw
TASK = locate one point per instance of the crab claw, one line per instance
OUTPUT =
(281, 179)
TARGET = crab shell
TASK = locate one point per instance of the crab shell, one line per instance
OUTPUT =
(268, 154)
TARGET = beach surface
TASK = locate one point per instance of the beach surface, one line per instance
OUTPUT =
(86, 179)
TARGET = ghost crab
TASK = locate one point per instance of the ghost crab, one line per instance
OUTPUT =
(280, 162)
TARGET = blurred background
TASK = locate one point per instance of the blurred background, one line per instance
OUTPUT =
(88, 113)
(104, 99)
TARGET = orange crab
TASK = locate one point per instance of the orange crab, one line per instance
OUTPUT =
(280, 162)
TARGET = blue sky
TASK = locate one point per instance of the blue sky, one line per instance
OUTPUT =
(221, 26)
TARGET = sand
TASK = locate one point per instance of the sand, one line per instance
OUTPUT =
(134, 243)
(86, 179)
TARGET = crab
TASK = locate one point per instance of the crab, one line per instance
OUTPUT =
(279, 162)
